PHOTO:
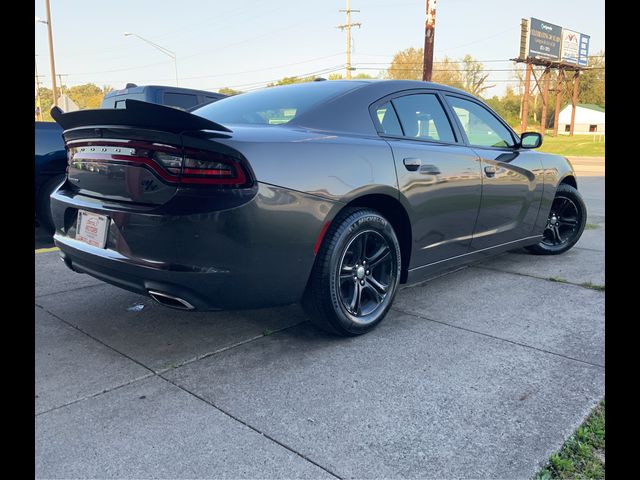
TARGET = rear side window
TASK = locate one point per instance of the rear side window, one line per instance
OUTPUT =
(182, 101)
(388, 119)
(422, 116)
(274, 105)
(483, 129)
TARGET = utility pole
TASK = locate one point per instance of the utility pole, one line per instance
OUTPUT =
(39, 113)
(347, 26)
(51, 57)
(429, 32)
(60, 75)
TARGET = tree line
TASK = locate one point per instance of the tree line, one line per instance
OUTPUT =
(465, 73)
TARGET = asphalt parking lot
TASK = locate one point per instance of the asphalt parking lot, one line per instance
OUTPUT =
(480, 373)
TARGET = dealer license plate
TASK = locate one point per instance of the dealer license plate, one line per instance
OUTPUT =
(92, 228)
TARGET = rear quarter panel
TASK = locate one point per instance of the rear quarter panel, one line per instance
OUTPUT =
(336, 167)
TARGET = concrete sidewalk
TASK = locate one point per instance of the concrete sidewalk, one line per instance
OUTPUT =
(481, 373)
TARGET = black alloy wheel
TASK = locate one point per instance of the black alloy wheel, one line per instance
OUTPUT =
(565, 223)
(365, 274)
(355, 275)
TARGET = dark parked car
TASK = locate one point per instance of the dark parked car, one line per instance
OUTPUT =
(50, 165)
(332, 193)
(182, 98)
(51, 157)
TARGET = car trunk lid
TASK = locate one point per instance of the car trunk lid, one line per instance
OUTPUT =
(144, 153)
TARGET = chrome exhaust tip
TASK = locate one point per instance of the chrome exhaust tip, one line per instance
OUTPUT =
(170, 301)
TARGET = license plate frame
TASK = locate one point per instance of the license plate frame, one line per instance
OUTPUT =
(92, 228)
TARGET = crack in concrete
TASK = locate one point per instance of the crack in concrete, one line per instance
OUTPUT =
(417, 315)
(97, 394)
(547, 279)
(159, 374)
(257, 430)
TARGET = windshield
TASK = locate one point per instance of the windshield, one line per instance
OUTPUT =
(273, 105)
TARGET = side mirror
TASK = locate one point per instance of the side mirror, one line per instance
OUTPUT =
(530, 140)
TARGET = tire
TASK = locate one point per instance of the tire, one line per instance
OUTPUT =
(43, 206)
(346, 299)
(565, 224)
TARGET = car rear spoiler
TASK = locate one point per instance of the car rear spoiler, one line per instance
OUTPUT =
(137, 114)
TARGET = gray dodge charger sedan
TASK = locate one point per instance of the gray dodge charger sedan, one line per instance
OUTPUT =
(331, 193)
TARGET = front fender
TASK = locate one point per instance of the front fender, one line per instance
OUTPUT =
(556, 170)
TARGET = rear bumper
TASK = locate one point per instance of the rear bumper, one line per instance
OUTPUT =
(256, 255)
(213, 290)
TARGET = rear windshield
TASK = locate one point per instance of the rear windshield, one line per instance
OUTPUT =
(273, 105)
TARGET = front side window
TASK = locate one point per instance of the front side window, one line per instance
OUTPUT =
(422, 117)
(483, 129)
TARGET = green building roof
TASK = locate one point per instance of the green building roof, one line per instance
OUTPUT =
(591, 106)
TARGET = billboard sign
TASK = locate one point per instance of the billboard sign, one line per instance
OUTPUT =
(583, 54)
(575, 48)
(545, 40)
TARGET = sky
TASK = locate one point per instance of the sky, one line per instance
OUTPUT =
(245, 44)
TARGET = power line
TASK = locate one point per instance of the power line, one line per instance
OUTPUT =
(257, 85)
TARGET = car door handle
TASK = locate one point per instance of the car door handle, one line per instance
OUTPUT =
(412, 164)
(490, 170)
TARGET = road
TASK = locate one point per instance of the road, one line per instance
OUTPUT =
(480, 373)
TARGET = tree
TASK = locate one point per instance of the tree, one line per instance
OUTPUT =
(591, 88)
(406, 65)
(474, 77)
(338, 76)
(88, 95)
(229, 91)
(508, 107)
(290, 80)
(447, 72)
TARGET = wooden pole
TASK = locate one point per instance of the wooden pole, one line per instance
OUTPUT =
(558, 100)
(52, 63)
(525, 99)
(429, 34)
(545, 99)
(574, 100)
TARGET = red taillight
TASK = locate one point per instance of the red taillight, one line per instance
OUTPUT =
(191, 167)
(211, 168)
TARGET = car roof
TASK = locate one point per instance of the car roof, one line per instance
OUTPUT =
(345, 113)
(142, 88)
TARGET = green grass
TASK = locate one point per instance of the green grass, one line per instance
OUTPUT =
(558, 279)
(591, 226)
(593, 286)
(576, 146)
(582, 455)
